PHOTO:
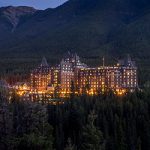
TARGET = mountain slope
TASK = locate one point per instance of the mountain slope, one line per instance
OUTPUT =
(71, 25)
(76, 20)
(13, 14)
(90, 27)
(10, 18)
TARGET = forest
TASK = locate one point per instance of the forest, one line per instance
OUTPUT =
(102, 122)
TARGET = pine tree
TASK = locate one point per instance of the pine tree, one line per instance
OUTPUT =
(5, 123)
(31, 127)
(138, 147)
(119, 134)
(70, 146)
(72, 89)
(92, 138)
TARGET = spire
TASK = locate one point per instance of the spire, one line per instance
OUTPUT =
(128, 58)
(103, 61)
(128, 61)
(69, 53)
(44, 62)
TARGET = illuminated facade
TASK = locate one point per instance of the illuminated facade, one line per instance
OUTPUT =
(91, 80)
(21, 88)
(120, 78)
(65, 73)
(41, 77)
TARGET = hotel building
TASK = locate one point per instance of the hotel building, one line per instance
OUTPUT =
(120, 78)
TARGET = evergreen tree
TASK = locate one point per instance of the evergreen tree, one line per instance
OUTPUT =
(70, 146)
(92, 138)
(138, 147)
(6, 123)
(72, 89)
(30, 127)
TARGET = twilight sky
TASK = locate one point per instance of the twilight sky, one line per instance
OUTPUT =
(39, 4)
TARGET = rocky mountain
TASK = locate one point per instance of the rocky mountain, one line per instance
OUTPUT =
(11, 16)
(90, 27)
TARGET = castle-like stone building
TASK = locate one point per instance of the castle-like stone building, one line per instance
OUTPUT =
(73, 76)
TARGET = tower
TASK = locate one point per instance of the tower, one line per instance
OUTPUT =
(41, 76)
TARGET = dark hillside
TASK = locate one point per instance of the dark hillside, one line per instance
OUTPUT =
(90, 27)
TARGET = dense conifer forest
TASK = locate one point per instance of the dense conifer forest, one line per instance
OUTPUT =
(102, 122)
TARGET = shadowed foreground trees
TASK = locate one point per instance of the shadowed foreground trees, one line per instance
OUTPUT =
(24, 125)
(70, 146)
(92, 138)
(121, 123)
(118, 123)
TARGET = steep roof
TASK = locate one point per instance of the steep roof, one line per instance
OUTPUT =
(44, 62)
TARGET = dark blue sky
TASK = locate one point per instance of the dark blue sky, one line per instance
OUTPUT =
(39, 4)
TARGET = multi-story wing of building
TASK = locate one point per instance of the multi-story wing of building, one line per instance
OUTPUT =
(41, 77)
(119, 78)
(129, 74)
(65, 73)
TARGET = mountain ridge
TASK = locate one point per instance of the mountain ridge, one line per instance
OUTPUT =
(12, 14)
(89, 27)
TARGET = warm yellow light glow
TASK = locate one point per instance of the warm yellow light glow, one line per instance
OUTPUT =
(91, 92)
(120, 92)
(20, 93)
